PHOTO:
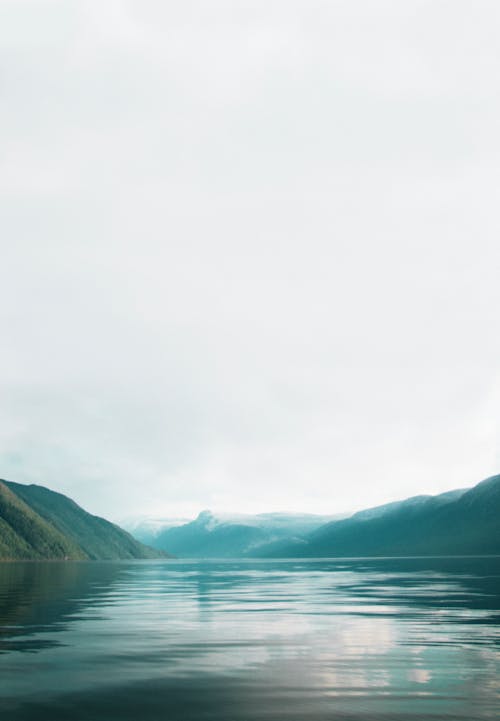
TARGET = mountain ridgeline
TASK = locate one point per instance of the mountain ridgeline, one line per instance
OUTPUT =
(37, 524)
(221, 536)
(461, 522)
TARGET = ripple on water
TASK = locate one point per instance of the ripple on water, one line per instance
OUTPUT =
(359, 639)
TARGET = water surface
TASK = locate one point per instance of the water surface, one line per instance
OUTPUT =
(240, 641)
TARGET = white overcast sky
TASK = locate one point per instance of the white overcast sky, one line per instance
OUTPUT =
(249, 251)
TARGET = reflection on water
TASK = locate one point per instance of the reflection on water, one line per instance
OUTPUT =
(241, 641)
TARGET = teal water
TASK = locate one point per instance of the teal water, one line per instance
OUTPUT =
(332, 640)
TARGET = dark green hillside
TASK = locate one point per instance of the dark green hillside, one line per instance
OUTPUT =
(38, 523)
(25, 534)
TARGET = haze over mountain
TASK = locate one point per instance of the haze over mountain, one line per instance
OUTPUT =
(37, 523)
(221, 535)
(463, 521)
(147, 529)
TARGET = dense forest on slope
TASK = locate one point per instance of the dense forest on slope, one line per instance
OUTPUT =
(37, 523)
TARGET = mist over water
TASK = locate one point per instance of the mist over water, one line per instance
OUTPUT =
(244, 640)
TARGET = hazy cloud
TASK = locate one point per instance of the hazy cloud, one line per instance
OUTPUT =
(249, 251)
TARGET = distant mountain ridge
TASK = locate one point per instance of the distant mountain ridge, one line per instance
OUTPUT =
(37, 523)
(413, 501)
(213, 535)
(462, 522)
(458, 522)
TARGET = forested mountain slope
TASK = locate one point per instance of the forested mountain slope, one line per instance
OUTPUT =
(37, 523)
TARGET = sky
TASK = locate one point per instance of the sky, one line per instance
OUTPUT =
(249, 251)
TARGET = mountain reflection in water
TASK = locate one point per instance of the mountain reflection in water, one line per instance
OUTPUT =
(313, 640)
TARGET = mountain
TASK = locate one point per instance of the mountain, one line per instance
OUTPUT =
(213, 535)
(25, 534)
(37, 523)
(462, 522)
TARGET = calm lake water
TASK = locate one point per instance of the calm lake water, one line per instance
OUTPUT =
(240, 641)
